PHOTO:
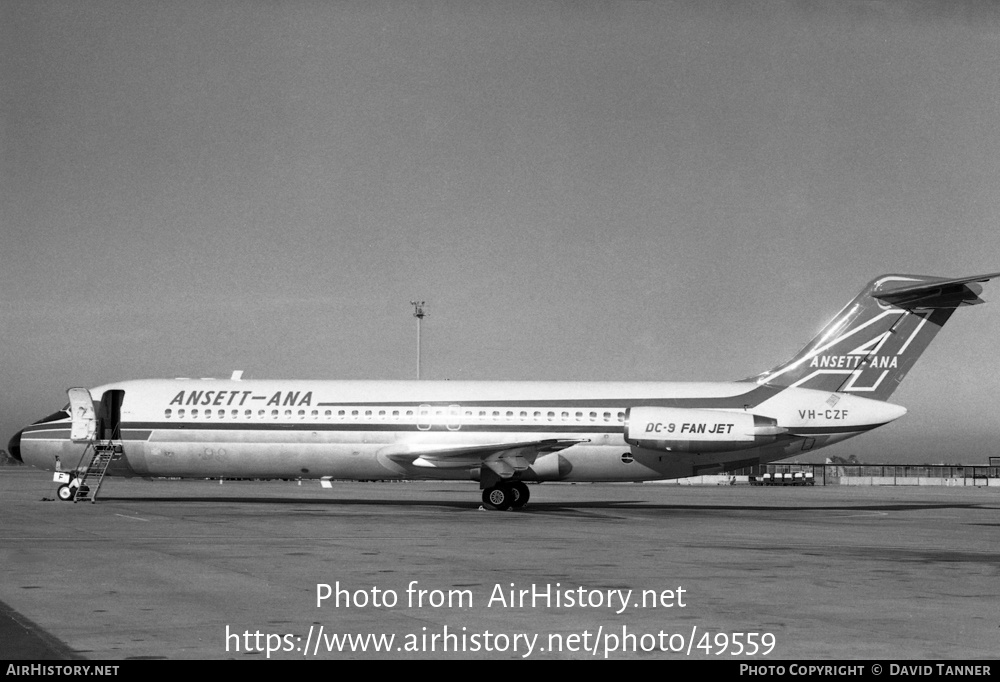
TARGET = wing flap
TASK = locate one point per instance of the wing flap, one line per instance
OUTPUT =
(503, 458)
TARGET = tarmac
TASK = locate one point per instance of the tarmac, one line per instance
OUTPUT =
(202, 570)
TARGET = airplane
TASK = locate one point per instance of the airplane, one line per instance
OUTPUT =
(504, 434)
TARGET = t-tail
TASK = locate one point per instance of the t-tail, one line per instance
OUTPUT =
(869, 347)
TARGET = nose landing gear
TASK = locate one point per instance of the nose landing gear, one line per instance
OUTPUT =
(65, 493)
(68, 492)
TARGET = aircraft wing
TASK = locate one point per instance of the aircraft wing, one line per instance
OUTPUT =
(503, 458)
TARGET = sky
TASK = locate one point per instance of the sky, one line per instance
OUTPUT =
(622, 190)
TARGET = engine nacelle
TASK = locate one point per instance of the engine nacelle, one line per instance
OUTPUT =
(676, 429)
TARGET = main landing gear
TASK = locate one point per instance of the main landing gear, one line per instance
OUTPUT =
(504, 496)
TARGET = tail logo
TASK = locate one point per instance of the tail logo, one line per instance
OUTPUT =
(867, 356)
(862, 355)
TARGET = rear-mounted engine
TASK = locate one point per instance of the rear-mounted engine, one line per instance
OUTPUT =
(682, 430)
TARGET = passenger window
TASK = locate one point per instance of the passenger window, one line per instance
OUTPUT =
(180, 414)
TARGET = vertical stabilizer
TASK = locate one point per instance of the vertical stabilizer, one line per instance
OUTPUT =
(869, 347)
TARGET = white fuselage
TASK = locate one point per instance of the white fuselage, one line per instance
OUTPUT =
(364, 429)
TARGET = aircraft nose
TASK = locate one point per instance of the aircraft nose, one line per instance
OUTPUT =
(14, 447)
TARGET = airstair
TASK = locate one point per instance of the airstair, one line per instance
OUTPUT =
(91, 478)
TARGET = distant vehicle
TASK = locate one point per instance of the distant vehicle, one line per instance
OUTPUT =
(503, 434)
(787, 478)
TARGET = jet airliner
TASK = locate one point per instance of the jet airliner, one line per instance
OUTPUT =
(504, 434)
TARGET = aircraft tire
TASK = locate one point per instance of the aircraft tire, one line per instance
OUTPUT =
(498, 497)
(64, 493)
(520, 494)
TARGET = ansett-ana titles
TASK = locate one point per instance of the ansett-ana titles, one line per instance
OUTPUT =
(239, 398)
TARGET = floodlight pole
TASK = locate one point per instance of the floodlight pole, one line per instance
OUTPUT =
(420, 314)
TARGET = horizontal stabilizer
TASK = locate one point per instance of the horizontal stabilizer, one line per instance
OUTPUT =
(927, 295)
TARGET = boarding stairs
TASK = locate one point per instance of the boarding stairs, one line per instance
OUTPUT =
(103, 452)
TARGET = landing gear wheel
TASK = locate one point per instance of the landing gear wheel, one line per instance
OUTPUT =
(498, 497)
(65, 493)
(520, 494)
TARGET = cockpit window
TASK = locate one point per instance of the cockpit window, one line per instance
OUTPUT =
(56, 416)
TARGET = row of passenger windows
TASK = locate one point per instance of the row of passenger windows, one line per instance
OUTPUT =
(432, 415)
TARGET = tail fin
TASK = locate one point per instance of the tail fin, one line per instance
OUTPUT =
(874, 341)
